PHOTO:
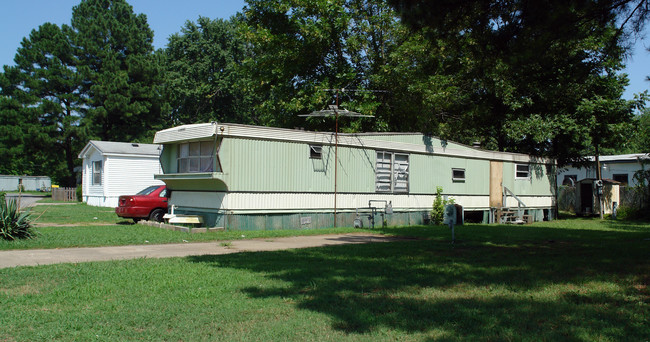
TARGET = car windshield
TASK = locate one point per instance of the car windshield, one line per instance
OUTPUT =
(148, 190)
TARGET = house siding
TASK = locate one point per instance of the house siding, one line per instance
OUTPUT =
(122, 174)
(93, 193)
(129, 175)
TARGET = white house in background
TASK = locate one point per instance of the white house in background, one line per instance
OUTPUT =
(112, 169)
(620, 168)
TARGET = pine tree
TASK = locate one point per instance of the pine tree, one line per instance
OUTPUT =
(122, 78)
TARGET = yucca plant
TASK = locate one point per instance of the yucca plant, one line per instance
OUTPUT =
(14, 224)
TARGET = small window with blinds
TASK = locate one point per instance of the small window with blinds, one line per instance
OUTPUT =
(392, 172)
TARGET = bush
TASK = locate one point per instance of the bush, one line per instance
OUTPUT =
(79, 193)
(13, 223)
(438, 212)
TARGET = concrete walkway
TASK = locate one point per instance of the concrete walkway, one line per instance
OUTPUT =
(34, 257)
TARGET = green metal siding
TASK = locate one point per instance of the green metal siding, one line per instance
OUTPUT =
(539, 183)
(258, 165)
(429, 172)
(168, 158)
(254, 165)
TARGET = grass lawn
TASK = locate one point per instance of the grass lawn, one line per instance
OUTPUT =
(81, 225)
(568, 280)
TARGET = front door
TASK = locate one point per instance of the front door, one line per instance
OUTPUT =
(586, 197)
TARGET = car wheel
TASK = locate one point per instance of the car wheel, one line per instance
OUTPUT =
(156, 215)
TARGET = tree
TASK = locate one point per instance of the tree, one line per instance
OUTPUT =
(301, 48)
(43, 106)
(122, 78)
(527, 68)
(95, 79)
(637, 139)
(204, 82)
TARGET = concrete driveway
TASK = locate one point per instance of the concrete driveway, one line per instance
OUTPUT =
(24, 200)
(34, 257)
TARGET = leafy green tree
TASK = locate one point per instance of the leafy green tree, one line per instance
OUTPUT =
(122, 78)
(302, 48)
(204, 81)
(637, 138)
(42, 105)
(524, 71)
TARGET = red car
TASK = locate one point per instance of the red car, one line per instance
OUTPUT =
(150, 203)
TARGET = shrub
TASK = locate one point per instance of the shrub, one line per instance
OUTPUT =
(625, 212)
(79, 193)
(13, 223)
(438, 212)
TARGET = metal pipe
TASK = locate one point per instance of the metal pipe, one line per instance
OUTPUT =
(336, 153)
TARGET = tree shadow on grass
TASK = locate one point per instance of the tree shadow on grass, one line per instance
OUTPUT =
(546, 291)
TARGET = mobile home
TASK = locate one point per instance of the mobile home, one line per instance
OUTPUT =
(249, 177)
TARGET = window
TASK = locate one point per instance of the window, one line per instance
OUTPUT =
(622, 177)
(97, 172)
(392, 172)
(196, 157)
(570, 180)
(316, 151)
(146, 191)
(522, 171)
(383, 172)
(401, 173)
(458, 175)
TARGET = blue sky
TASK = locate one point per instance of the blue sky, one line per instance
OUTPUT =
(165, 17)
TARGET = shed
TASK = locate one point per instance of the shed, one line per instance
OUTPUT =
(250, 177)
(587, 200)
(112, 169)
